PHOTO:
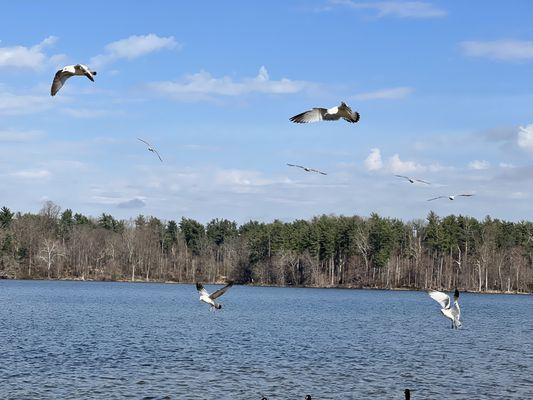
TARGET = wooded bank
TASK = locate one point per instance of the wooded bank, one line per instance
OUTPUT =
(326, 251)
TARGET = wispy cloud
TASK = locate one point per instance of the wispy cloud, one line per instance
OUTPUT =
(133, 47)
(503, 50)
(19, 136)
(17, 104)
(479, 165)
(398, 9)
(204, 86)
(26, 57)
(385, 94)
(32, 174)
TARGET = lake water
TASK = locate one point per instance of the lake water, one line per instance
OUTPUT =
(89, 340)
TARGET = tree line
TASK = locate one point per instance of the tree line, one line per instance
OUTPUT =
(326, 251)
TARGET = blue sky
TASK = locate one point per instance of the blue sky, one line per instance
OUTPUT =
(442, 87)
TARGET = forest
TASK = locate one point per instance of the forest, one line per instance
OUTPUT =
(325, 251)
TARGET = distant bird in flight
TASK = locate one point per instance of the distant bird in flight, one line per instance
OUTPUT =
(413, 180)
(307, 169)
(150, 148)
(327, 114)
(451, 197)
(63, 74)
(210, 298)
(453, 313)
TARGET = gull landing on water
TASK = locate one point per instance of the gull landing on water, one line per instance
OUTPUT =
(453, 313)
(150, 148)
(451, 197)
(63, 74)
(327, 114)
(210, 298)
(412, 180)
(307, 169)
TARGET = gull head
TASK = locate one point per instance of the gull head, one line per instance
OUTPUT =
(218, 306)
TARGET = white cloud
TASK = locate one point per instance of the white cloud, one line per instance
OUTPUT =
(17, 104)
(373, 162)
(26, 57)
(397, 166)
(386, 94)
(479, 165)
(504, 50)
(525, 137)
(32, 174)
(399, 9)
(203, 85)
(507, 165)
(19, 136)
(133, 47)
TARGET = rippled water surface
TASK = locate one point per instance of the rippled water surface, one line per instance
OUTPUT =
(81, 340)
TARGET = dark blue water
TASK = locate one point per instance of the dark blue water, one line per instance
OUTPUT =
(81, 340)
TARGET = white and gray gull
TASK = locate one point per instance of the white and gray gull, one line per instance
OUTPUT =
(327, 114)
(63, 74)
(307, 169)
(151, 148)
(453, 313)
(210, 298)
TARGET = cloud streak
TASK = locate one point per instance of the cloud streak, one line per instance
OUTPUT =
(395, 93)
(204, 86)
(133, 47)
(502, 50)
(398, 9)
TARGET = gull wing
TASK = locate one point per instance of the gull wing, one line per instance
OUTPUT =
(466, 195)
(220, 292)
(353, 117)
(145, 142)
(160, 159)
(436, 198)
(422, 181)
(402, 176)
(442, 298)
(295, 165)
(314, 115)
(59, 80)
(201, 290)
(317, 171)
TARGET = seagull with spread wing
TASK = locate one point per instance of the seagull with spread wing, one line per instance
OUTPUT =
(63, 74)
(151, 148)
(327, 114)
(451, 197)
(413, 180)
(210, 298)
(453, 313)
(306, 169)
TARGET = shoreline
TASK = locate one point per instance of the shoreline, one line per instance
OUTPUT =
(394, 289)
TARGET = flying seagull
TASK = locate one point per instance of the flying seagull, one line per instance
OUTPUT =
(210, 298)
(413, 180)
(451, 197)
(453, 313)
(307, 169)
(63, 74)
(150, 148)
(327, 114)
